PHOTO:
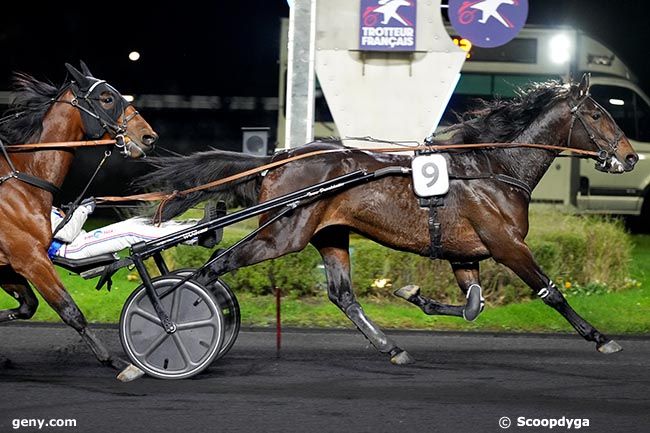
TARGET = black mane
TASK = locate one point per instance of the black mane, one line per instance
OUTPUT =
(502, 120)
(31, 101)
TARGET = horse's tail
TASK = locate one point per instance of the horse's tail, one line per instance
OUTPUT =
(178, 173)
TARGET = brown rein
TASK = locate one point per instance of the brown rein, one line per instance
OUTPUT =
(58, 145)
(165, 196)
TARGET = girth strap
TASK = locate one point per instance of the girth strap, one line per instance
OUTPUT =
(435, 228)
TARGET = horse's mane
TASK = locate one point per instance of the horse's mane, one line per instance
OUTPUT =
(30, 103)
(502, 120)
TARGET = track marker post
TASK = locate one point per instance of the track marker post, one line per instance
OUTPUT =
(278, 321)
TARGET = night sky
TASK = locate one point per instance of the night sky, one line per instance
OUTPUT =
(219, 49)
(229, 48)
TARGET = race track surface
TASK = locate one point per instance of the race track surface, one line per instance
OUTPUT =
(331, 381)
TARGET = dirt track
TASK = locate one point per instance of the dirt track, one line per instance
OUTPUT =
(329, 381)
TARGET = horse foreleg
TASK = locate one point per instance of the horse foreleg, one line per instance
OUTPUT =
(17, 286)
(519, 258)
(42, 275)
(333, 248)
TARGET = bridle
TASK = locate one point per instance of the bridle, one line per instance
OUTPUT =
(97, 120)
(606, 148)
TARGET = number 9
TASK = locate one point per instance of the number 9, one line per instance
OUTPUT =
(430, 171)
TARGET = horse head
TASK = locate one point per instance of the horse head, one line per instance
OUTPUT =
(105, 113)
(593, 128)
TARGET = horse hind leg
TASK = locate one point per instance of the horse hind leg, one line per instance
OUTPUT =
(467, 277)
(17, 286)
(412, 294)
(333, 247)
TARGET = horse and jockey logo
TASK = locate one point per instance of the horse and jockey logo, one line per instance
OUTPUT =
(488, 23)
(387, 25)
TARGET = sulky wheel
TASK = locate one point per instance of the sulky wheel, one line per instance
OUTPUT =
(229, 308)
(186, 352)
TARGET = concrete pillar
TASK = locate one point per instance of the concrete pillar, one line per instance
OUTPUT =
(301, 73)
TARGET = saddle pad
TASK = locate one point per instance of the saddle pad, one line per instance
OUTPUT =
(430, 175)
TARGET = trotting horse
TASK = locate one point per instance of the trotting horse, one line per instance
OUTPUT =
(485, 212)
(83, 107)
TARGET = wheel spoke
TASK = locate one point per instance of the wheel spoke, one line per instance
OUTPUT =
(146, 315)
(176, 300)
(156, 343)
(196, 324)
(182, 349)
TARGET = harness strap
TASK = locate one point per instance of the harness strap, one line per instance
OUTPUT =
(499, 177)
(433, 203)
(435, 227)
(26, 178)
(37, 182)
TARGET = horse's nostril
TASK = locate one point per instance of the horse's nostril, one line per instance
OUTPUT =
(632, 159)
(149, 139)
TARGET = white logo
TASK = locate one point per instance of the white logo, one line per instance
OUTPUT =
(388, 8)
(490, 9)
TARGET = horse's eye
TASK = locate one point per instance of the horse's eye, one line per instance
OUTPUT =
(108, 100)
(597, 115)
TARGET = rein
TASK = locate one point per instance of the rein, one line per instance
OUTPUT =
(166, 196)
(59, 145)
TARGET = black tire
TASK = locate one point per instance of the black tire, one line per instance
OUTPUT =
(188, 351)
(229, 309)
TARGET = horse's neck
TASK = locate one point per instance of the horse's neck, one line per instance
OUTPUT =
(528, 164)
(53, 165)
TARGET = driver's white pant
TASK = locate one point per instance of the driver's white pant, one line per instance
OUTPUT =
(116, 237)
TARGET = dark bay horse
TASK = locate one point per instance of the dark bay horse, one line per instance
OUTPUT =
(481, 217)
(84, 107)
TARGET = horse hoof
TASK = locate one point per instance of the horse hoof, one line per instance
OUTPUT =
(475, 303)
(407, 292)
(130, 373)
(610, 347)
(402, 358)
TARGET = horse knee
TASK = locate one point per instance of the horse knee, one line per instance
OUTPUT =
(551, 295)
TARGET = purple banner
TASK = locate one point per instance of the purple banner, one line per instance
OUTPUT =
(488, 23)
(387, 25)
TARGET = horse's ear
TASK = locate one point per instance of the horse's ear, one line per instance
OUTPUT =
(77, 76)
(85, 69)
(583, 87)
